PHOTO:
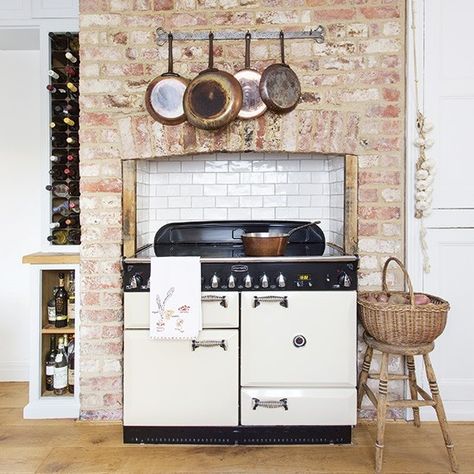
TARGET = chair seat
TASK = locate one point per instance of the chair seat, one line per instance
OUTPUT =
(398, 349)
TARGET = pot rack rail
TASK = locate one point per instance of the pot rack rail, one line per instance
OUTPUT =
(316, 34)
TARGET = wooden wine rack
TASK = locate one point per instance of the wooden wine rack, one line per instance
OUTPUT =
(64, 134)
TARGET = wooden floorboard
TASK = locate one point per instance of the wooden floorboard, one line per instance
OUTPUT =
(67, 446)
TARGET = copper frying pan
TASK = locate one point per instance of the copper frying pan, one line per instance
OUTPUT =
(213, 98)
(252, 104)
(280, 87)
(164, 95)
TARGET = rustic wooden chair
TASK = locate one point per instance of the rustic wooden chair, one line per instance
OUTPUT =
(381, 402)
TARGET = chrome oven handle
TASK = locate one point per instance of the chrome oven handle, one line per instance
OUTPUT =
(209, 298)
(208, 343)
(283, 300)
(282, 403)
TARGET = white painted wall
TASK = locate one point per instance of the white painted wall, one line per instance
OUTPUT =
(19, 203)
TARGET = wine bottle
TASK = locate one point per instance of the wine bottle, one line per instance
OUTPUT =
(74, 188)
(71, 171)
(72, 158)
(74, 237)
(60, 298)
(74, 205)
(50, 363)
(70, 365)
(58, 126)
(57, 173)
(71, 57)
(60, 207)
(57, 92)
(71, 87)
(58, 157)
(58, 75)
(59, 189)
(71, 302)
(73, 41)
(65, 342)
(72, 108)
(52, 308)
(58, 41)
(63, 222)
(60, 370)
(58, 237)
(72, 139)
(59, 140)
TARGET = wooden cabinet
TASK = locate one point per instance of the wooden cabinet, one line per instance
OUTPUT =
(44, 277)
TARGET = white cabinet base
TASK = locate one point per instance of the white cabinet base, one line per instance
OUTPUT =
(50, 408)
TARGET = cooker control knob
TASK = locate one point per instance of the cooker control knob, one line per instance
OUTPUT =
(215, 280)
(248, 281)
(344, 280)
(231, 281)
(299, 341)
(281, 281)
(264, 281)
(136, 281)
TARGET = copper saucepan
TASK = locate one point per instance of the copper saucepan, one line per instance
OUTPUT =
(267, 244)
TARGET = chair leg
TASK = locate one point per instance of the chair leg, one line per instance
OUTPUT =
(381, 412)
(441, 414)
(364, 374)
(413, 390)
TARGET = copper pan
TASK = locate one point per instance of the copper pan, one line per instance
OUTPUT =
(280, 87)
(267, 244)
(213, 99)
(164, 95)
(249, 79)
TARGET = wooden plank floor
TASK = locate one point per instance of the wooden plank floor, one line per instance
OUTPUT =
(45, 446)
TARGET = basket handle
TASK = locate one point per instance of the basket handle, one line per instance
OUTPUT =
(405, 273)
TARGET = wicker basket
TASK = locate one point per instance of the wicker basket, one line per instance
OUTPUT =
(402, 324)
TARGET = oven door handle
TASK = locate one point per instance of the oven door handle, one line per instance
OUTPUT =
(282, 403)
(283, 300)
(210, 298)
(209, 343)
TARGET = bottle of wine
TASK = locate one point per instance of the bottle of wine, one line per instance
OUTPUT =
(57, 173)
(70, 365)
(58, 125)
(72, 107)
(60, 207)
(58, 41)
(52, 308)
(58, 157)
(65, 342)
(72, 158)
(71, 86)
(57, 92)
(59, 140)
(58, 237)
(71, 171)
(60, 299)
(57, 75)
(74, 205)
(59, 189)
(71, 302)
(74, 237)
(50, 363)
(64, 222)
(72, 139)
(60, 370)
(73, 41)
(71, 57)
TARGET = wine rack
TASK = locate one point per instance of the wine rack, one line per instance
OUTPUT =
(65, 228)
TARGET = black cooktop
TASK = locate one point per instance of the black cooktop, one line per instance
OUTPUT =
(221, 239)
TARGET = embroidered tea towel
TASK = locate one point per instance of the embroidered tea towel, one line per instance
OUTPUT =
(175, 297)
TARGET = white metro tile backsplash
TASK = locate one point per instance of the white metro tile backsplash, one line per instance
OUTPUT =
(241, 186)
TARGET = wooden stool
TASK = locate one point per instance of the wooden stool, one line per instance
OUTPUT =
(381, 403)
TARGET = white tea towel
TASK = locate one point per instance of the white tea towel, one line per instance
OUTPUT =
(175, 297)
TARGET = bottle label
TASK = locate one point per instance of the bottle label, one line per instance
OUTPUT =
(70, 310)
(50, 370)
(60, 377)
(51, 314)
(61, 317)
(70, 377)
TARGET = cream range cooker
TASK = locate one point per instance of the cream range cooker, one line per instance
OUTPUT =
(275, 362)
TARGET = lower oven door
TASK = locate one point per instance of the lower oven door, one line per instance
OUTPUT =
(181, 383)
(302, 339)
(296, 406)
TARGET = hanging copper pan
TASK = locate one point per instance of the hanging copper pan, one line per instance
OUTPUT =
(213, 98)
(252, 104)
(164, 95)
(280, 87)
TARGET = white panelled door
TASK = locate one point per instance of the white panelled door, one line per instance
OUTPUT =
(449, 102)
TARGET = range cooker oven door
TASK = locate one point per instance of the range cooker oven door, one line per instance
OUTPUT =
(298, 339)
(178, 383)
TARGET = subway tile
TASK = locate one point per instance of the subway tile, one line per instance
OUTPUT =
(263, 213)
(320, 201)
(275, 177)
(274, 201)
(240, 166)
(287, 165)
(183, 201)
(228, 178)
(203, 201)
(169, 166)
(319, 177)
(262, 189)
(191, 214)
(239, 213)
(251, 178)
(215, 214)
(228, 156)
(161, 178)
(192, 190)
(168, 214)
(299, 177)
(168, 190)
(227, 201)
(205, 157)
(264, 166)
(180, 178)
(217, 166)
(215, 190)
(287, 213)
(311, 188)
(251, 201)
(313, 165)
(193, 166)
(204, 178)
(299, 201)
(287, 189)
(238, 189)
(158, 202)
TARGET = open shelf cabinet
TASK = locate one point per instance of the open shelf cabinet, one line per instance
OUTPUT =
(44, 403)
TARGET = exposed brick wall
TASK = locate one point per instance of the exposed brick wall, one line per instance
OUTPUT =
(353, 102)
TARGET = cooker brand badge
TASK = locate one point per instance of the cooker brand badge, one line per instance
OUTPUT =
(239, 268)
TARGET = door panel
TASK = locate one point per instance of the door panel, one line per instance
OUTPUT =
(167, 383)
(269, 356)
